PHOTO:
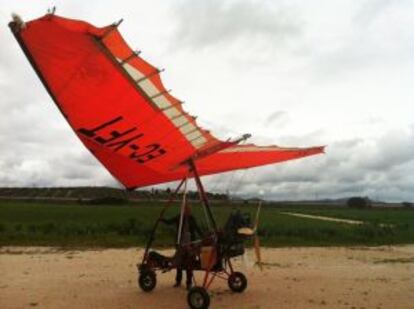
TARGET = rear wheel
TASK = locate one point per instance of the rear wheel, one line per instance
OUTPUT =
(147, 280)
(237, 282)
(198, 298)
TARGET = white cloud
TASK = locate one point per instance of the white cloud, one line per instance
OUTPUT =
(291, 73)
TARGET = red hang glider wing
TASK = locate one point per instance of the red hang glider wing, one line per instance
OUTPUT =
(117, 105)
(247, 156)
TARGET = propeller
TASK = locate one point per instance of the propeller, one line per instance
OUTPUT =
(253, 233)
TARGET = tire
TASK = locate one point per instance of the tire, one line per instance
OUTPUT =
(237, 282)
(198, 298)
(147, 280)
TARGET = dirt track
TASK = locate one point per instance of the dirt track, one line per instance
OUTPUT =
(324, 218)
(381, 277)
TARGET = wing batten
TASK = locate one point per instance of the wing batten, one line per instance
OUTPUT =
(156, 93)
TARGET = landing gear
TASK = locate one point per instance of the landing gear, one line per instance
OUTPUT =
(147, 280)
(198, 298)
(237, 282)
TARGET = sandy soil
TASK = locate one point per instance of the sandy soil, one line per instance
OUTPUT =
(381, 277)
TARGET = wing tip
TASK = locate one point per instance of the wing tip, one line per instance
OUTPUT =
(17, 23)
(322, 149)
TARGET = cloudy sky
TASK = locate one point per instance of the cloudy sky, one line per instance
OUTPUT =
(292, 73)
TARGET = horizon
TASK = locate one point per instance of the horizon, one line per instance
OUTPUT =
(231, 197)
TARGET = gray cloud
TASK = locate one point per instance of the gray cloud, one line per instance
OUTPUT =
(373, 36)
(318, 76)
(210, 23)
(378, 167)
(279, 118)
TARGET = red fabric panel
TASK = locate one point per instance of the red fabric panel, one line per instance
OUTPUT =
(227, 160)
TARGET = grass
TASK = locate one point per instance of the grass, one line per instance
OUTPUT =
(127, 226)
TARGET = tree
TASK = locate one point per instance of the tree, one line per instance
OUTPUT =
(358, 202)
(407, 204)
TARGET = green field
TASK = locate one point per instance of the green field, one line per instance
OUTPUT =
(129, 225)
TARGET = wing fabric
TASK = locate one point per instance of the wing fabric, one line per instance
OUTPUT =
(246, 156)
(117, 105)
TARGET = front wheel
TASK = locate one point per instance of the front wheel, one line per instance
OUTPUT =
(147, 280)
(198, 298)
(237, 282)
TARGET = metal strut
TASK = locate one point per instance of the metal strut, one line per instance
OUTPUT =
(134, 54)
(202, 193)
(183, 206)
(170, 200)
(157, 71)
(111, 28)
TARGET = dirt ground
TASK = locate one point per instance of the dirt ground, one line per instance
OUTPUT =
(379, 277)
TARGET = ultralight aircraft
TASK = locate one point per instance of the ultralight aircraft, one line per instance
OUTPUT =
(117, 105)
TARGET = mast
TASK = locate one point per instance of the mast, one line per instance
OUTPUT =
(202, 193)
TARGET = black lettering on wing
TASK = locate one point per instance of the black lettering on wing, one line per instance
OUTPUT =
(114, 135)
(117, 140)
(154, 151)
(92, 132)
(120, 144)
